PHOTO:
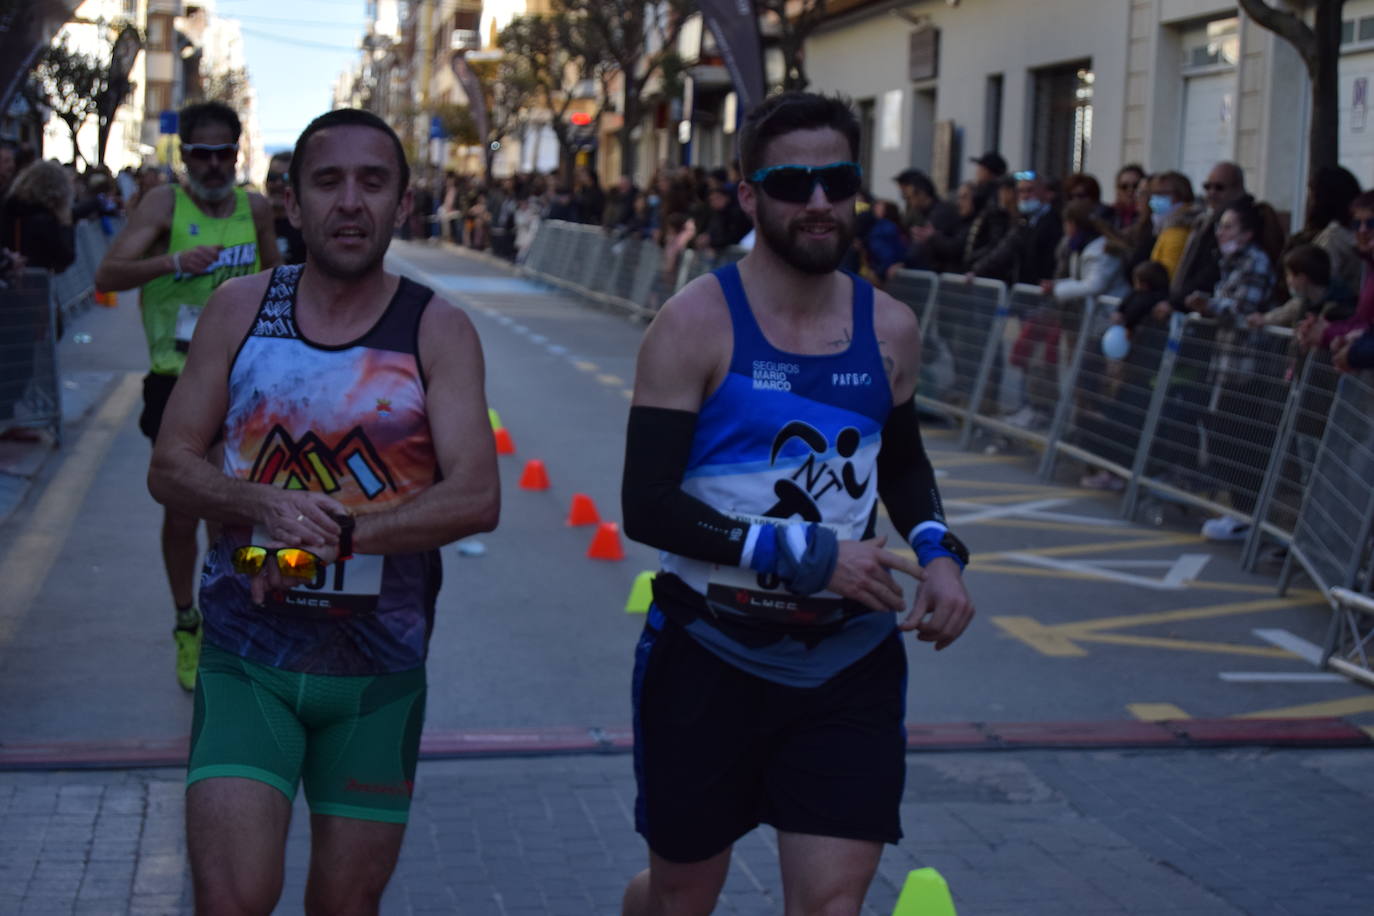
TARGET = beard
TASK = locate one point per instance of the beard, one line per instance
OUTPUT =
(787, 238)
(211, 194)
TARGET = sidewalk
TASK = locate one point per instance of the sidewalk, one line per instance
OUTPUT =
(1036, 832)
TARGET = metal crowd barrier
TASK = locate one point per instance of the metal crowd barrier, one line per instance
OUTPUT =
(1351, 640)
(624, 273)
(30, 385)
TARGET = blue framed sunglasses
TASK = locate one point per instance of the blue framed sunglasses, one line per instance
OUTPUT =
(795, 183)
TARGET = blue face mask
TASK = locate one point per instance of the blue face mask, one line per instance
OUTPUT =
(1161, 203)
(1028, 206)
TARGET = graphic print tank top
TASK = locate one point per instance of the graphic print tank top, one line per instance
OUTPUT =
(785, 438)
(348, 421)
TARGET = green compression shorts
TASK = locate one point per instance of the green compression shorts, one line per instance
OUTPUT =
(354, 741)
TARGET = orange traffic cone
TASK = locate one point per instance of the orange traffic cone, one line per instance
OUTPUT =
(534, 477)
(505, 445)
(606, 543)
(583, 511)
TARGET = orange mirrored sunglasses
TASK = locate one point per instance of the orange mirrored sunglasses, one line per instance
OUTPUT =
(291, 561)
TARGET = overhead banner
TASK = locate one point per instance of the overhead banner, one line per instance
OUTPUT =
(472, 87)
(735, 26)
(122, 57)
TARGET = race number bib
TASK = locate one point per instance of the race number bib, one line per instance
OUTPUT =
(741, 590)
(187, 316)
(349, 588)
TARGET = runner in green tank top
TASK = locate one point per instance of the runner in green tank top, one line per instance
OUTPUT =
(179, 245)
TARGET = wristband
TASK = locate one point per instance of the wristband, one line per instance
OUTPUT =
(807, 570)
(932, 540)
(176, 264)
(761, 548)
(346, 525)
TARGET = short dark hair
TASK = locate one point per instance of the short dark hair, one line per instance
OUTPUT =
(1309, 261)
(193, 116)
(791, 111)
(918, 180)
(1364, 202)
(346, 117)
(1152, 274)
(1179, 184)
(1247, 215)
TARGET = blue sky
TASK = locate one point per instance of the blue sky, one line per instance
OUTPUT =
(295, 50)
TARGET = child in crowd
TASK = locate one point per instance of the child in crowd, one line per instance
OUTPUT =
(1149, 284)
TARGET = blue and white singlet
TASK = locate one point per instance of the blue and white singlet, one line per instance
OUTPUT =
(786, 437)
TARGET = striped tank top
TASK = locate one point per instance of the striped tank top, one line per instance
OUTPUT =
(348, 421)
(785, 438)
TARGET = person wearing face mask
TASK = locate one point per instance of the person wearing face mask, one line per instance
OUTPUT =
(1027, 253)
(1172, 215)
(1247, 274)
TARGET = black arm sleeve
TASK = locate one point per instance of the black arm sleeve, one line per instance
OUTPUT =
(906, 481)
(658, 444)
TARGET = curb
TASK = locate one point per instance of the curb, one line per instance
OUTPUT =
(1177, 734)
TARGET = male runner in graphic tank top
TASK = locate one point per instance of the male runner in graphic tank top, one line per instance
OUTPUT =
(773, 408)
(356, 443)
(181, 243)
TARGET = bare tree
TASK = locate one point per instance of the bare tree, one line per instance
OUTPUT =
(796, 19)
(1319, 46)
(68, 83)
(229, 86)
(509, 86)
(560, 65)
(639, 38)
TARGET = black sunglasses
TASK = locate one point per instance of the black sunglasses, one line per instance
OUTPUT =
(1363, 225)
(1214, 186)
(276, 176)
(794, 184)
(204, 152)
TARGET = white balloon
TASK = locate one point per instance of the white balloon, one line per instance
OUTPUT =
(1115, 343)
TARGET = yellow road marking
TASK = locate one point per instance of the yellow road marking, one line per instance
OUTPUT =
(1168, 540)
(1007, 521)
(1368, 730)
(1347, 707)
(1046, 640)
(1206, 612)
(34, 552)
(1156, 712)
(957, 460)
(608, 379)
(1181, 645)
(1008, 485)
(586, 366)
(995, 498)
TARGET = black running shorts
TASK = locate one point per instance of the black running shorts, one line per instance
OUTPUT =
(157, 388)
(719, 751)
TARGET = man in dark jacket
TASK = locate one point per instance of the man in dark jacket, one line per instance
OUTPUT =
(928, 220)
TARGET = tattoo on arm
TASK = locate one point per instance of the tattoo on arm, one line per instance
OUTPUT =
(843, 342)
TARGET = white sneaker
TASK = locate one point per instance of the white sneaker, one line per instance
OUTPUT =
(1022, 419)
(1102, 480)
(1225, 528)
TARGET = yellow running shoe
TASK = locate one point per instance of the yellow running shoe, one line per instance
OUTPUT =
(188, 652)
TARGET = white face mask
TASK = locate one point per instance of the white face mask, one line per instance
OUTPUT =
(1229, 247)
(1028, 206)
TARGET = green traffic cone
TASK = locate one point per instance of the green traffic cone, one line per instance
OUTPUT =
(925, 893)
(641, 594)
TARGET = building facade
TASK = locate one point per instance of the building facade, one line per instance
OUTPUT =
(1086, 85)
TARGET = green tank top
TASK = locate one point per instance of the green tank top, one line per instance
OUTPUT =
(170, 304)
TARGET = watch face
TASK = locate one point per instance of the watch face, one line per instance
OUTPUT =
(955, 546)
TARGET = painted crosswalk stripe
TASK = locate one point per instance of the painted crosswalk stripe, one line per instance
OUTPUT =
(1310, 652)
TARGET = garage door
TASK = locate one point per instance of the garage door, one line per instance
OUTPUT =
(1209, 124)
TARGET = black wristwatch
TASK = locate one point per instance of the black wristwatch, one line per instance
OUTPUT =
(346, 525)
(955, 546)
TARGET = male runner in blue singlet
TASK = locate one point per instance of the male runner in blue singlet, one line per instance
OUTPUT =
(356, 443)
(773, 407)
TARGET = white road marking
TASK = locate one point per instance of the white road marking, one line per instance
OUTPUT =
(519, 329)
(1300, 647)
(539, 338)
(1280, 677)
(556, 350)
(1180, 571)
(1033, 509)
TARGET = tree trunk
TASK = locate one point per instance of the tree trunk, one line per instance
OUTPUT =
(1323, 138)
(629, 149)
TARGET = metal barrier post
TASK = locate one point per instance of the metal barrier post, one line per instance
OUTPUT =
(30, 384)
(1351, 640)
(1067, 389)
(1147, 432)
(990, 350)
(1249, 554)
